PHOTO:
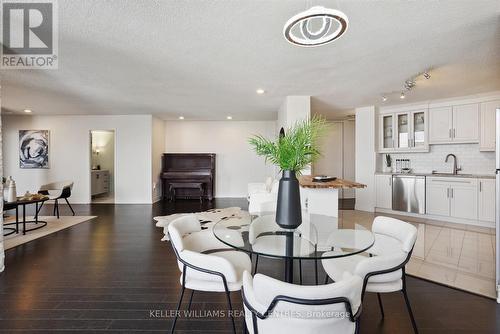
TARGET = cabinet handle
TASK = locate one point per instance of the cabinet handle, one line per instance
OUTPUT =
(448, 192)
(454, 133)
(480, 186)
(449, 133)
(451, 192)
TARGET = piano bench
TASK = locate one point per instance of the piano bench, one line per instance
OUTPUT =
(186, 185)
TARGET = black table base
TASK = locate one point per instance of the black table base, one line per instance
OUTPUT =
(35, 221)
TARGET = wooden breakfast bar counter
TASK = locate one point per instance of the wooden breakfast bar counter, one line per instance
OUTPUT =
(323, 197)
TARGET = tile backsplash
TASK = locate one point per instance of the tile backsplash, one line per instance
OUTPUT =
(468, 157)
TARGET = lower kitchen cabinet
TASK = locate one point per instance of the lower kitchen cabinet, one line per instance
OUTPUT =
(437, 197)
(463, 199)
(486, 200)
(453, 197)
(383, 186)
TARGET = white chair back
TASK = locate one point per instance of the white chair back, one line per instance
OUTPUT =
(289, 317)
(394, 239)
(402, 231)
(60, 185)
(181, 226)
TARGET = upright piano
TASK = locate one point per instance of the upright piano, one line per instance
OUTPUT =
(188, 168)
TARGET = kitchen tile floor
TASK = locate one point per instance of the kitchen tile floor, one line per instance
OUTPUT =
(457, 255)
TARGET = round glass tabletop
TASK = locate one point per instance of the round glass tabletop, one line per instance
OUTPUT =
(318, 237)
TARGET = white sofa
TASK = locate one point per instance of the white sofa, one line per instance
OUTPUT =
(262, 196)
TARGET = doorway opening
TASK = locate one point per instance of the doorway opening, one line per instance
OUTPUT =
(102, 166)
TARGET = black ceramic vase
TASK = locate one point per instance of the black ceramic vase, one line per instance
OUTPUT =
(288, 210)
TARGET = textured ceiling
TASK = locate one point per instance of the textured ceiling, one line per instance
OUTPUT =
(205, 59)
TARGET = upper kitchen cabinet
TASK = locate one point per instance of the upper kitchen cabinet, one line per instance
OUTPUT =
(456, 124)
(386, 133)
(403, 131)
(466, 123)
(487, 130)
(440, 124)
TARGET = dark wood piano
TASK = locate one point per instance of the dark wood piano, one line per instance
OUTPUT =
(188, 168)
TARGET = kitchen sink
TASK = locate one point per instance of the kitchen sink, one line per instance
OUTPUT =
(451, 174)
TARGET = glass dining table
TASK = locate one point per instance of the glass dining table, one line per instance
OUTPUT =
(318, 237)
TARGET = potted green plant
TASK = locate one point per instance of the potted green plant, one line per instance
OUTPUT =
(294, 150)
(387, 164)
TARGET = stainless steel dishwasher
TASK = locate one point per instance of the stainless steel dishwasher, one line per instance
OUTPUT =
(408, 193)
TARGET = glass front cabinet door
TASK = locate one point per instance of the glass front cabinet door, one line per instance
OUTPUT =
(403, 131)
(419, 139)
(386, 132)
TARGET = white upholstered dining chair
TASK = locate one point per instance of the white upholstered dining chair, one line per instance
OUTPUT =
(56, 191)
(206, 264)
(384, 270)
(272, 306)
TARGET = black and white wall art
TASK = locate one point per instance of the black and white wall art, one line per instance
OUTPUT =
(33, 149)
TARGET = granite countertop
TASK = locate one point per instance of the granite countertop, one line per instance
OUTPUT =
(464, 175)
(307, 182)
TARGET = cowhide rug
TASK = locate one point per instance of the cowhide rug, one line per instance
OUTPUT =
(206, 218)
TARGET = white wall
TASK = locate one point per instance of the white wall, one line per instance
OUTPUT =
(157, 150)
(104, 141)
(236, 163)
(69, 154)
(365, 157)
(293, 109)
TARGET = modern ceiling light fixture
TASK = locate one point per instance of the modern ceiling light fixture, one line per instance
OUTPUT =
(315, 26)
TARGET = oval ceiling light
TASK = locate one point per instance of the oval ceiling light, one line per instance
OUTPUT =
(298, 30)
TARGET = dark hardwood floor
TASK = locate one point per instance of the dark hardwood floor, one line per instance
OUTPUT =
(115, 275)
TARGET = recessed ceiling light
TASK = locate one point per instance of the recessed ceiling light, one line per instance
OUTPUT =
(181, 117)
(229, 117)
(28, 111)
(298, 29)
(260, 91)
(384, 98)
(402, 96)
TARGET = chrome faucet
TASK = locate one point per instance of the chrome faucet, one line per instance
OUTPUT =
(455, 168)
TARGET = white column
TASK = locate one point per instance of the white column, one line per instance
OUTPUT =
(365, 158)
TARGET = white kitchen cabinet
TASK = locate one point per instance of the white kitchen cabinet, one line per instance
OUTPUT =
(383, 186)
(403, 131)
(487, 128)
(437, 197)
(466, 123)
(463, 199)
(453, 197)
(486, 200)
(386, 133)
(440, 125)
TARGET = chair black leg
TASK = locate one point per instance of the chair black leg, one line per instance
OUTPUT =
(178, 308)
(39, 208)
(408, 306)
(316, 271)
(300, 271)
(230, 309)
(326, 279)
(55, 205)
(70, 207)
(380, 304)
(256, 264)
(190, 300)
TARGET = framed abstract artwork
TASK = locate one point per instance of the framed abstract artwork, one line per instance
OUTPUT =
(33, 149)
